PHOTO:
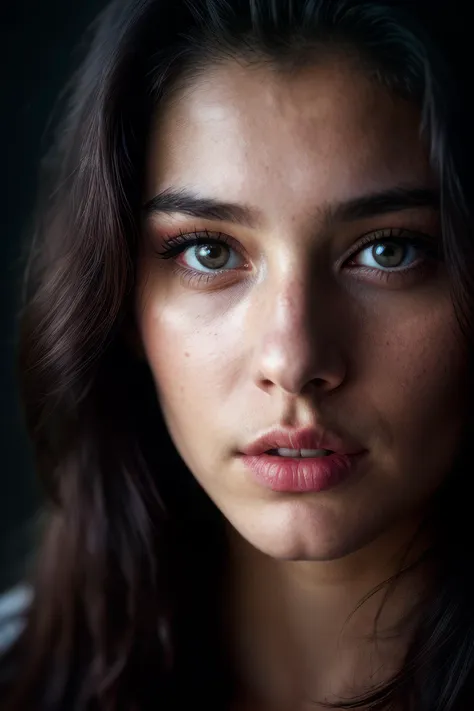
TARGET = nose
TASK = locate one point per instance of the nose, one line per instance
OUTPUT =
(298, 339)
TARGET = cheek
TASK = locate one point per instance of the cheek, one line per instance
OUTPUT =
(428, 364)
(415, 385)
(194, 354)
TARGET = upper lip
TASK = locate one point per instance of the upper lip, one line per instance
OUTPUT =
(307, 438)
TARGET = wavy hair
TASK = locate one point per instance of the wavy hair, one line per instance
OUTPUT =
(130, 567)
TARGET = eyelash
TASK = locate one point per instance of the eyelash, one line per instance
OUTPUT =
(173, 246)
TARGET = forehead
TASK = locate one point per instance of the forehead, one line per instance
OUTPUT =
(320, 133)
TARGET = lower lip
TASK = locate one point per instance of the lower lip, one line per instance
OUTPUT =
(302, 475)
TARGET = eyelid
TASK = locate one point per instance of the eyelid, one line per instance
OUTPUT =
(178, 243)
(394, 233)
(174, 244)
(380, 235)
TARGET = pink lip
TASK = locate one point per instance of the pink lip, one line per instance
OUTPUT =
(314, 474)
(308, 474)
(307, 438)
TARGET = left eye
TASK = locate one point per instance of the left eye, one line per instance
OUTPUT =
(389, 254)
(211, 256)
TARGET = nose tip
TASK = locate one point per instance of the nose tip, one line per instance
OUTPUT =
(298, 326)
(297, 365)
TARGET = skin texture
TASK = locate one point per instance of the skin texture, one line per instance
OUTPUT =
(289, 335)
(302, 328)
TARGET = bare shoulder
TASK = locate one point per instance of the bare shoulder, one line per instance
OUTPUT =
(13, 605)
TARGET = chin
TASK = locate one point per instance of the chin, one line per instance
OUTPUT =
(294, 531)
(302, 550)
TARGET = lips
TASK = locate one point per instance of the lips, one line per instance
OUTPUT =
(301, 475)
(307, 438)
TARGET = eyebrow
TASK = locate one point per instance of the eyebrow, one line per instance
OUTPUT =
(186, 203)
(381, 203)
(375, 204)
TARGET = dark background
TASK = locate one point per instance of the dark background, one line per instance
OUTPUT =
(38, 51)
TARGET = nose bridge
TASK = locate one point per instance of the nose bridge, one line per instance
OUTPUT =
(291, 313)
(297, 338)
(293, 307)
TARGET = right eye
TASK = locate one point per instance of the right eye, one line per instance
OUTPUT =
(210, 256)
(204, 255)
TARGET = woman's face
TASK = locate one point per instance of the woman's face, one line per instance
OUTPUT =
(293, 320)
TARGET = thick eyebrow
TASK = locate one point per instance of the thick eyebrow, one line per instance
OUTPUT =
(186, 203)
(375, 204)
(382, 203)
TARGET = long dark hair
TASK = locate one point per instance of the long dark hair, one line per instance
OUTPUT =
(128, 573)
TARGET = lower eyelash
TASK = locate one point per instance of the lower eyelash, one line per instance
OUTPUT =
(174, 246)
(178, 244)
(386, 276)
(190, 278)
(431, 252)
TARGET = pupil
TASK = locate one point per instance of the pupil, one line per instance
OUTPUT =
(212, 256)
(388, 254)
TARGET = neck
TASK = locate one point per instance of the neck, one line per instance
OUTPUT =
(299, 631)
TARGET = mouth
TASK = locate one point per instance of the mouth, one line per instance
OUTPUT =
(299, 453)
(301, 471)
(301, 460)
(303, 443)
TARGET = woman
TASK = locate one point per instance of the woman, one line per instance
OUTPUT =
(245, 355)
